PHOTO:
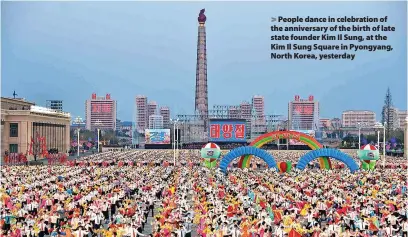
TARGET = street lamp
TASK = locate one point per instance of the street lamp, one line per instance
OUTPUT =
(177, 140)
(378, 126)
(98, 139)
(78, 121)
(359, 125)
(98, 123)
(178, 136)
(384, 154)
(78, 142)
(174, 121)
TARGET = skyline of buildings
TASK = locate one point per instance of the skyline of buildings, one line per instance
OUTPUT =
(305, 115)
(348, 118)
(100, 112)
(22, 120)
(149, 114)
(367, 118)
(246, 110)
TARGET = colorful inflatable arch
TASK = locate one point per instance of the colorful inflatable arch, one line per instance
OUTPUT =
(245, 161)
(327, 152)
(247, 150)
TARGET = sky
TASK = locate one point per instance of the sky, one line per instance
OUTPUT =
(69, 50)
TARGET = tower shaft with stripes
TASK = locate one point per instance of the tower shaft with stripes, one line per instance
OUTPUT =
(201, 91)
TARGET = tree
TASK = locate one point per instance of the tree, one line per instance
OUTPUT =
(399, 135)
(386, 111)
(363, 141)
(372, 138)
(349, 140)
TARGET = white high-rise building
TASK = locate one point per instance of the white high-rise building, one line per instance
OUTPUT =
(397, 118)
(165, 112)
(155, 121)
(100, 112)
(245, 108)
(258, 106)
(151, 108)
(402, 116)
(352, 118)
(303, 114)
(142, 120)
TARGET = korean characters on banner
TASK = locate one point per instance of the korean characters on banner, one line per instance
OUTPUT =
(101, 108)
(227, 131)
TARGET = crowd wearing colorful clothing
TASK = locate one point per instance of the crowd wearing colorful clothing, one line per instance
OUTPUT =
(120, 193)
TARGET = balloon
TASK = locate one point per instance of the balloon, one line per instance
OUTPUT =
(372, 165)
(210, 163)
(283, 166)
(289, 166)
(368, 154)
(364, 165)
(211, 152)
(368, 164)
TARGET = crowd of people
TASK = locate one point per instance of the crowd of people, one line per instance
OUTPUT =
(141, 193)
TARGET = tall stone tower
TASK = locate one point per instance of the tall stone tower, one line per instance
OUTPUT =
(201, 91)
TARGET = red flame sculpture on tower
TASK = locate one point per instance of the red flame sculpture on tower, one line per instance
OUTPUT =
(201, 17)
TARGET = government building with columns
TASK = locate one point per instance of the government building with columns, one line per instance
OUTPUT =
(22, 120)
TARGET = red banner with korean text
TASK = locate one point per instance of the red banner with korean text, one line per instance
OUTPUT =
(227, 130)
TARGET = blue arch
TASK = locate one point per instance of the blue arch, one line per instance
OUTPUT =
(247, 150)
(329, 152)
